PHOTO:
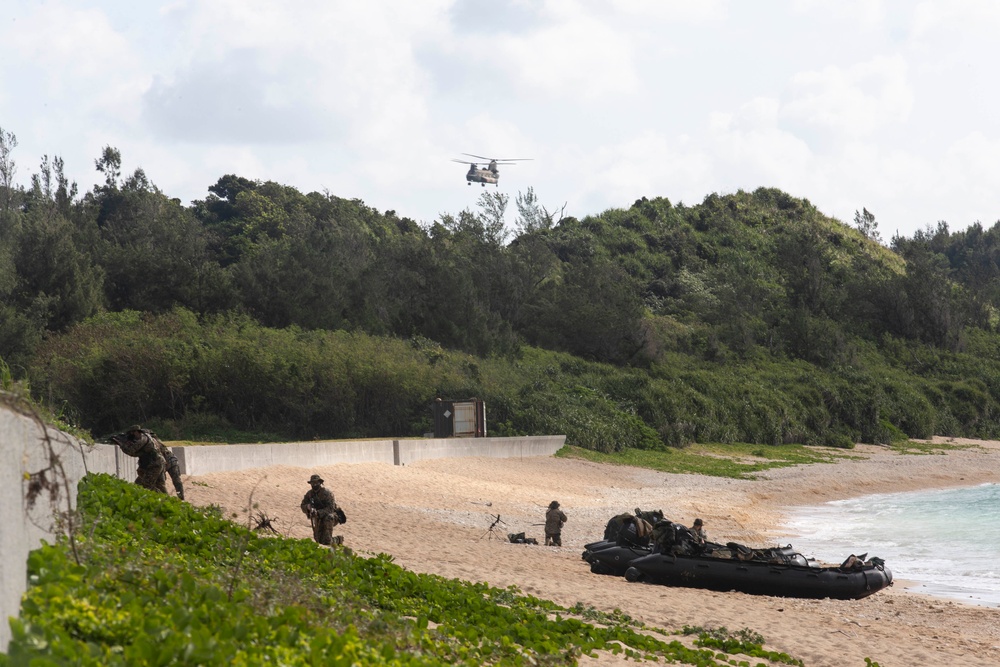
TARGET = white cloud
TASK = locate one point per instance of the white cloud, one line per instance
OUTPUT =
(935, 16)
(340, 70)
(855, 100)
(579, 58)
(686, 11)
(877, 103)
(860, 13)
(81, 61)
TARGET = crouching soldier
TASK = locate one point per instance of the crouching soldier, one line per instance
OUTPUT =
(155, 460)
(318, 504)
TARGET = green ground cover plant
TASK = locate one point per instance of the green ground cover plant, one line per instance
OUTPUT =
(745, 641)
(155, 581)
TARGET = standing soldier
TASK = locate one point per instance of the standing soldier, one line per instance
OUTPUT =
(155, 460)
(554, 520)
(318, 504)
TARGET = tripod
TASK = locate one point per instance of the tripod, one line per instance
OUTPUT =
(495, 531)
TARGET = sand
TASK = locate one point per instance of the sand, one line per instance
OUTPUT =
(434, 517)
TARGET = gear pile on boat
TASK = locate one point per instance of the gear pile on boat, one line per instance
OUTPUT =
(647, 547)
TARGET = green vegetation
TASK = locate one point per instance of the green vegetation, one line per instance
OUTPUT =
(745, 641)
(738, 460)
(264, 313)
(226, 377)
(923, 448)
(161, 582)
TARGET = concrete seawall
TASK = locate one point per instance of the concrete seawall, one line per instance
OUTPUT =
(25, 447)
(204, 459)
(502, 448)
(29, 449)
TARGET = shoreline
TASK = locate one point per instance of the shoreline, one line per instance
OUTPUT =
(433, 517)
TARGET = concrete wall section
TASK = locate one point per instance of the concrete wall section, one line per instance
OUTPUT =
(203, 459)
(505, 448)
(24, 451)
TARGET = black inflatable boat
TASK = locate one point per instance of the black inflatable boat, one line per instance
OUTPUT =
(613, 558)
(850, 581)
(626, 537)
(673, 556)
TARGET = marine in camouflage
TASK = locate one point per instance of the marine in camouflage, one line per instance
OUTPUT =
(155, 460)
(554, 520)
(321, 508)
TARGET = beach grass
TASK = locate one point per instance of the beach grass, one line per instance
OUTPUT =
(738, 460)
(921, 447)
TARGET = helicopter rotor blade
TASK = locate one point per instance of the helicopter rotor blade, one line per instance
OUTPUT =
(465, 162)
(499, 159)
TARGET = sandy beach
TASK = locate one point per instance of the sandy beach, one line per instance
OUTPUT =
(434, 517)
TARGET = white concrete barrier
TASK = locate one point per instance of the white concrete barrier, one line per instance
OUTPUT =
(504, 448)
(204, 459)
(25, 447)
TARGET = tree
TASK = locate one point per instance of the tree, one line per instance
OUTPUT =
(8, 142)
(865, 223)
(51, 188)
(532, 216)
(110, 164)
(153, 250)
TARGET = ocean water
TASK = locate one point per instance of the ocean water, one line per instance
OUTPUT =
(947, 542)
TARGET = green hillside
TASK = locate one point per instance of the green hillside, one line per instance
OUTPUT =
(262, 312)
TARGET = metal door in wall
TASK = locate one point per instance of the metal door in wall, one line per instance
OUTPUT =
(465, 420)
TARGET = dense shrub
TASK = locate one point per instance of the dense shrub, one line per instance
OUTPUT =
(192, 378)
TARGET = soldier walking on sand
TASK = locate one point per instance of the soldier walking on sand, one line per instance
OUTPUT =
(554, 520)
(318, 504)
(155, 459)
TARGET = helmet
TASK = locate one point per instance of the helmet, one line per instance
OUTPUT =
(553, 505)
(315, 479)
(698, 522)
(134, 428)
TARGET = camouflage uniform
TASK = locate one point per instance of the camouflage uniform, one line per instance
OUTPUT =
(152, 464)
(155, 460)
(554, 520)
(699, 530)
(321, 508)
(173, 468)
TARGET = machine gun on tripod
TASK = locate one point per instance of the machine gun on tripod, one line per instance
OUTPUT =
(495, 530)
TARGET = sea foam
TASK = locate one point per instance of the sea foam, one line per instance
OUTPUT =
(947, 541)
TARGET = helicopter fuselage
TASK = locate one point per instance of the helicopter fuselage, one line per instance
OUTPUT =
(490, 173)
(482, 176)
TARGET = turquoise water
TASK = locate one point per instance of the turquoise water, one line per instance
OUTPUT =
(947, 542)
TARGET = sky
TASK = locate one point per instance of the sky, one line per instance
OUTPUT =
(889, 105)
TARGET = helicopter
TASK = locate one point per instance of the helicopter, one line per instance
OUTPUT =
(489, 173)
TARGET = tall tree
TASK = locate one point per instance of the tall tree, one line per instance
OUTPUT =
(154, 252)
(866, 224)
(8, 168)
